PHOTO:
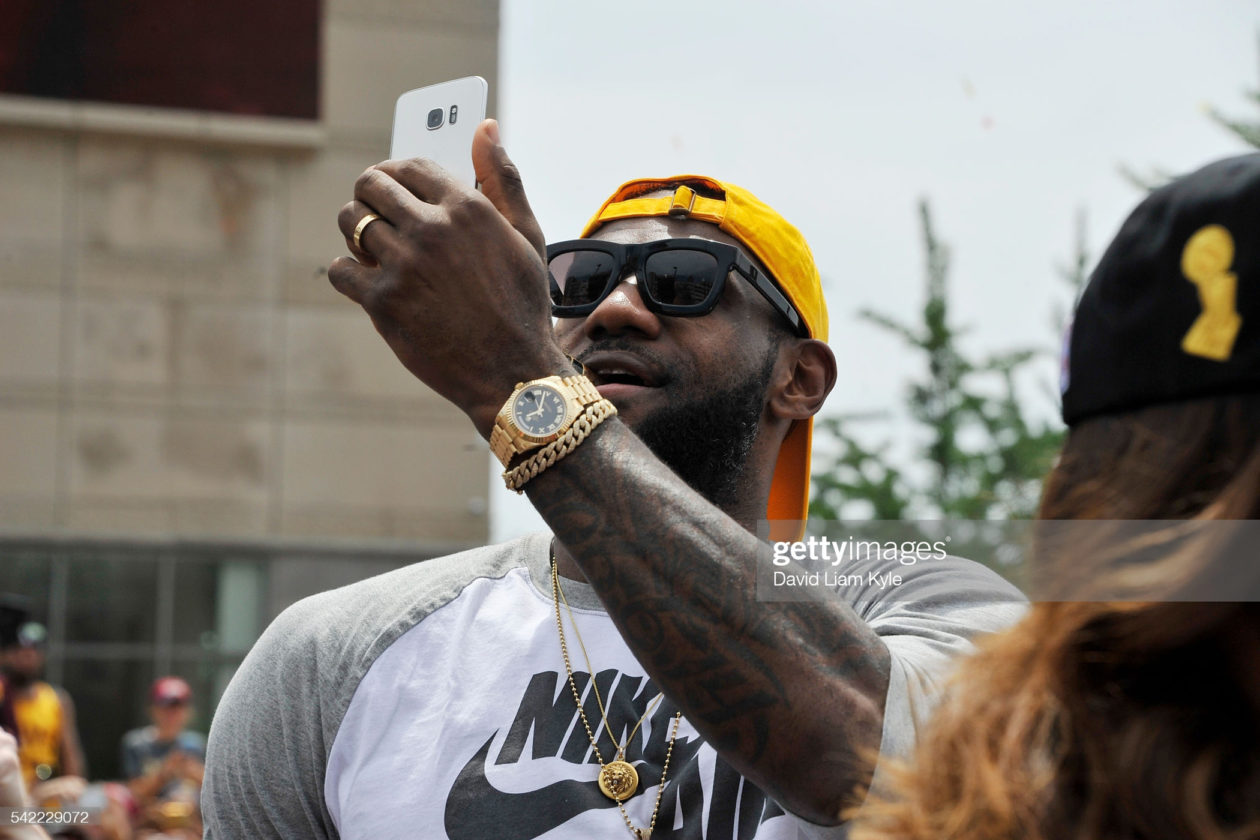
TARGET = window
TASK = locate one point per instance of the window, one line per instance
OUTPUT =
(119, 616)
(230, 56)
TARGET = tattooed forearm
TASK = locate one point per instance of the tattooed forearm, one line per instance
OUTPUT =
(790, 693)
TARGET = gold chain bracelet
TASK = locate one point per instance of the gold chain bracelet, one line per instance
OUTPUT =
(597, 413)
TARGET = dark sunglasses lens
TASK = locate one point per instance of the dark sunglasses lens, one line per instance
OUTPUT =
(580, 277)
(680, 277)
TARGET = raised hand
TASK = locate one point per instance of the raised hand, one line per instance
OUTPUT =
(453, 279)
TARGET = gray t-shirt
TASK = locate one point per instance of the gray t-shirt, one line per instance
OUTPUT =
(433, 702)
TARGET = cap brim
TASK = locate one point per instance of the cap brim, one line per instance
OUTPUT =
(789, 489)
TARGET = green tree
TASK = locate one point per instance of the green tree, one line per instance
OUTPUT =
(985, 453)
(856, 475)
(1245, 130)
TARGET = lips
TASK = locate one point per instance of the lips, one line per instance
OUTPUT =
(620, 373)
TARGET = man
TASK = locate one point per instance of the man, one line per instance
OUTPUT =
(48, 738)
(458, 698)
(164, 763)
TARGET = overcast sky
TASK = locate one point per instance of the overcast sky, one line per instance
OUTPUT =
(1008, 116)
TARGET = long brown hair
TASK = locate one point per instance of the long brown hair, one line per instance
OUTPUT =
(1105, 720)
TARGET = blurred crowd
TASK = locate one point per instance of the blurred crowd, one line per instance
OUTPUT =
(43, 772)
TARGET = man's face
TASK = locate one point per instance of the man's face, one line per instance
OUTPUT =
(693, 389)
(170, 718)
(23, 662)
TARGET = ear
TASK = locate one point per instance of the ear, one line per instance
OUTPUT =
(806, 376)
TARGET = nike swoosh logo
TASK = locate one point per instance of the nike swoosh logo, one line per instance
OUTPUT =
(476, 809)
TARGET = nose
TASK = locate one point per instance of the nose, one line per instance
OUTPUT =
(622, 311)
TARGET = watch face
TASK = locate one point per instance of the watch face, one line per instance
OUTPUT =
(539, 410)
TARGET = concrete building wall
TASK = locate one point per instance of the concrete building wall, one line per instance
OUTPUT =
(173, 361)
(195, 429)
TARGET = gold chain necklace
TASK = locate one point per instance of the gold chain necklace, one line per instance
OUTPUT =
(618, 779)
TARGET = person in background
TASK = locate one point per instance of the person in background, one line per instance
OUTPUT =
(48, 739)
(1129, 705)
(13, 792)
(164, 762)
(13, 615)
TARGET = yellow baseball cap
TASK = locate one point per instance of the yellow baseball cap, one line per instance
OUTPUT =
(781, 249)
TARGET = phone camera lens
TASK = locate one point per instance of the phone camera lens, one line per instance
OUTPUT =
(435, 118)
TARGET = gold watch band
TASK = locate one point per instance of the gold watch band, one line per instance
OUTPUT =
(506, 441)
(501, 443)
(583, 389)
(517, 477)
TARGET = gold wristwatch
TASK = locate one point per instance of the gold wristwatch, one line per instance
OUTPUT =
(538, 412)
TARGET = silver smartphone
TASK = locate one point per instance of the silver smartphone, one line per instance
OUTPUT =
(438, 121)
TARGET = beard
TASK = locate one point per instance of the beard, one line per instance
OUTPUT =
(706, 441)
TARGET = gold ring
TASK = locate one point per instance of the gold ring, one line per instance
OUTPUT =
(362, 226)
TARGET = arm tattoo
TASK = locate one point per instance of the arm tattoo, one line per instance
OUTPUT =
(784, 691)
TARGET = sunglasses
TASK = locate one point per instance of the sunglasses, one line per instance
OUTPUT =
(679, 277)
